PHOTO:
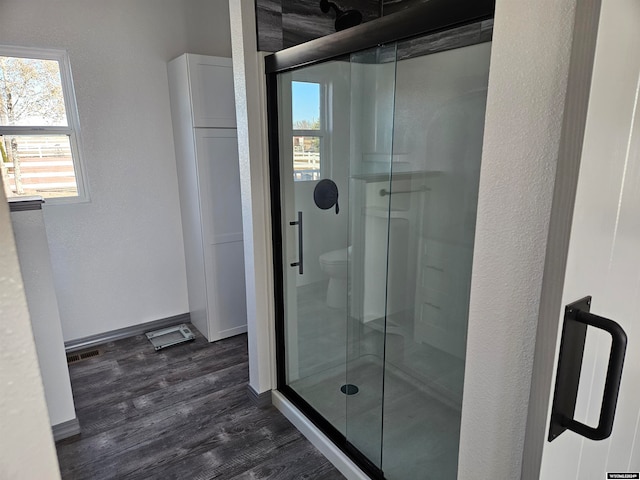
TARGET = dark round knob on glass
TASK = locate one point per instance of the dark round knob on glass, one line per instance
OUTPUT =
(325, 195)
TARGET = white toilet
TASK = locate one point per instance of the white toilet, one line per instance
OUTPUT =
(336, 264)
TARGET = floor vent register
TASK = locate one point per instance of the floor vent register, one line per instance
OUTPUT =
(78, 356)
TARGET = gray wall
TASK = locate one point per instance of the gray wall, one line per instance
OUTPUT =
(285, 23)
(393, 6)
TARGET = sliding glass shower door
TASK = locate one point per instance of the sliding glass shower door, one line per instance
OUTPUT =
(440, 102)
(314, 155)
(377, 174)
(372, 91)
(333, 141)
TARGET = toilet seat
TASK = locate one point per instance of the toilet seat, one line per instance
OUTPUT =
(335, 257)
(335, 265)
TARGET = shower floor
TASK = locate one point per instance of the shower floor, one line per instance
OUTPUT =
(420, 439)
(419, 434)
(322, 331)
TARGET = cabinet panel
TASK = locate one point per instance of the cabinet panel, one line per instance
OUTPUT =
(226, 290)
(219, 179)
(212, 94)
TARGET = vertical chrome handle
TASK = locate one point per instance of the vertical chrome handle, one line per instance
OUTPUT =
(300, 250)
(574, 332)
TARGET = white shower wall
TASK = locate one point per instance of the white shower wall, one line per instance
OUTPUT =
(439, 83)
(440, 102)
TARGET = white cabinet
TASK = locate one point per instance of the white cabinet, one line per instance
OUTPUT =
(206, 85)
(206, 143)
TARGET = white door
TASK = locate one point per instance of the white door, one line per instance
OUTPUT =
(604, 253)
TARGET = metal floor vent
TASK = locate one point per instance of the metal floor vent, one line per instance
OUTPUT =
(167, 337)
(78, 356)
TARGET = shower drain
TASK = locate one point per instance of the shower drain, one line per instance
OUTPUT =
(349, 389)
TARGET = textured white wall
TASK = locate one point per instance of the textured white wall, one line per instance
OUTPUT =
(254, 184)
(118, 260)
(26, 442)
(525, 105)
(37, 276)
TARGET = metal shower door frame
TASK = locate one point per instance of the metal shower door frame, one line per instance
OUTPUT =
(429, 19)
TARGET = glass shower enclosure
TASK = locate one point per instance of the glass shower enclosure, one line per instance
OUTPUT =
(375, 162)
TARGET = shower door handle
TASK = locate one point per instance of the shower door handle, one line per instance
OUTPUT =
(574, 331)
(300, 250)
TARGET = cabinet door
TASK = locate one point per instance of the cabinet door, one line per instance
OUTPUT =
(226, 290)
(212, 94)
(219, 188)
(219, 184)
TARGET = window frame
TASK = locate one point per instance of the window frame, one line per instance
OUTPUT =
(72, 130)
(322, 132)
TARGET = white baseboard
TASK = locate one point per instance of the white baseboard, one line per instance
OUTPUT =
(319, 440)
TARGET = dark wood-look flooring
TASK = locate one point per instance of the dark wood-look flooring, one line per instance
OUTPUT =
(181, 413)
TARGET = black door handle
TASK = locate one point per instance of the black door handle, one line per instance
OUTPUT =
(574, 331)
(300, 253)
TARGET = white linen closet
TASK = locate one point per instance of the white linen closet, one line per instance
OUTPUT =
(204, 129)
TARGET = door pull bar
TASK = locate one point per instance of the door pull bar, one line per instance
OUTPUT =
(299, 262)
(574, 331)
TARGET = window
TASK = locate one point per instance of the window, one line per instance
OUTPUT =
(308, 130)
(39, 125)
